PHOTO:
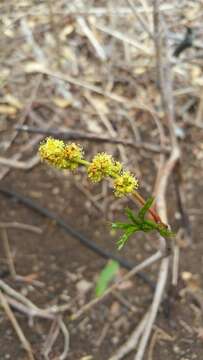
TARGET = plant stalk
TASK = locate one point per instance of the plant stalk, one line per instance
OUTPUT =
(152, 211)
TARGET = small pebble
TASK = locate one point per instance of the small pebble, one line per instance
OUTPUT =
(83, 286)
(114, 340)
(55, 191)
(176, 349)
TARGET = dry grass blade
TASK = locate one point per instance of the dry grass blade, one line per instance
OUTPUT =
(90, 35)
(140, 18)
(120, 36)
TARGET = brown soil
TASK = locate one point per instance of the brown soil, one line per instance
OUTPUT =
(60, 262)
(39, 34)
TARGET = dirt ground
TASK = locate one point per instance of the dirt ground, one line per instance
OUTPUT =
(91, 66)
(60, 263)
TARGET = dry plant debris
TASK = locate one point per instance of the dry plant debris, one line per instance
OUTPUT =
(90, 67)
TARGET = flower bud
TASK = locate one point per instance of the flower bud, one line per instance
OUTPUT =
(52, 151)
(125, 184)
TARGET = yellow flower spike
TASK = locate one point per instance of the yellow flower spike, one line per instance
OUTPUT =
(125, 184)
(100, 167)
(73, 154)
(52, 151)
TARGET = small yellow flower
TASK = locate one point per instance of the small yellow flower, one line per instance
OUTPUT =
(100, 167)
(52, 151)
(125, 184)
(62, 156)
(103, 165)
(73, 154)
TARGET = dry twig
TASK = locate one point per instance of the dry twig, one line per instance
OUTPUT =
(22, 226)
(132, 341)
(17, 164)
(26, 345)
(8, 252)
(22, 304)
(93, 40)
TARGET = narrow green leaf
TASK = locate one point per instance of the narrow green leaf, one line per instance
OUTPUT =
(124, 238)
(119, 225)
(106, 275)
(122, 241)
(139, 223)
(145, 208)
(131, 216)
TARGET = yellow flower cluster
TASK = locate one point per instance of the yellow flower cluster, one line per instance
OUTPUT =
(62, 156)
(70, 156)
(102, 166)
(73, 154)
(125, 184)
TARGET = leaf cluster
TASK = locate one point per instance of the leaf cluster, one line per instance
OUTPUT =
(138, 222)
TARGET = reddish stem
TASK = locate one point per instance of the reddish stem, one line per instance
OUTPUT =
(152, 211)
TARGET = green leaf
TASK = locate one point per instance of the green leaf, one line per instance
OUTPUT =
(147, 227)
(124, 238)
(139, 223)
(105, 277)
(145, 208)
(120, 225)
(131, 216)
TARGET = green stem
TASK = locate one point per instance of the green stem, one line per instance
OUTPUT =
(83, 162)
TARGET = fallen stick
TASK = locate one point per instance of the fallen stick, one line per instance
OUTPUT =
(132, 341)
(26, 345)
(22, 304)
(163, 273)
(21, 226)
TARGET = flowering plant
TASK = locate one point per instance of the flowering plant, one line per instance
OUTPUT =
(71, 156)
